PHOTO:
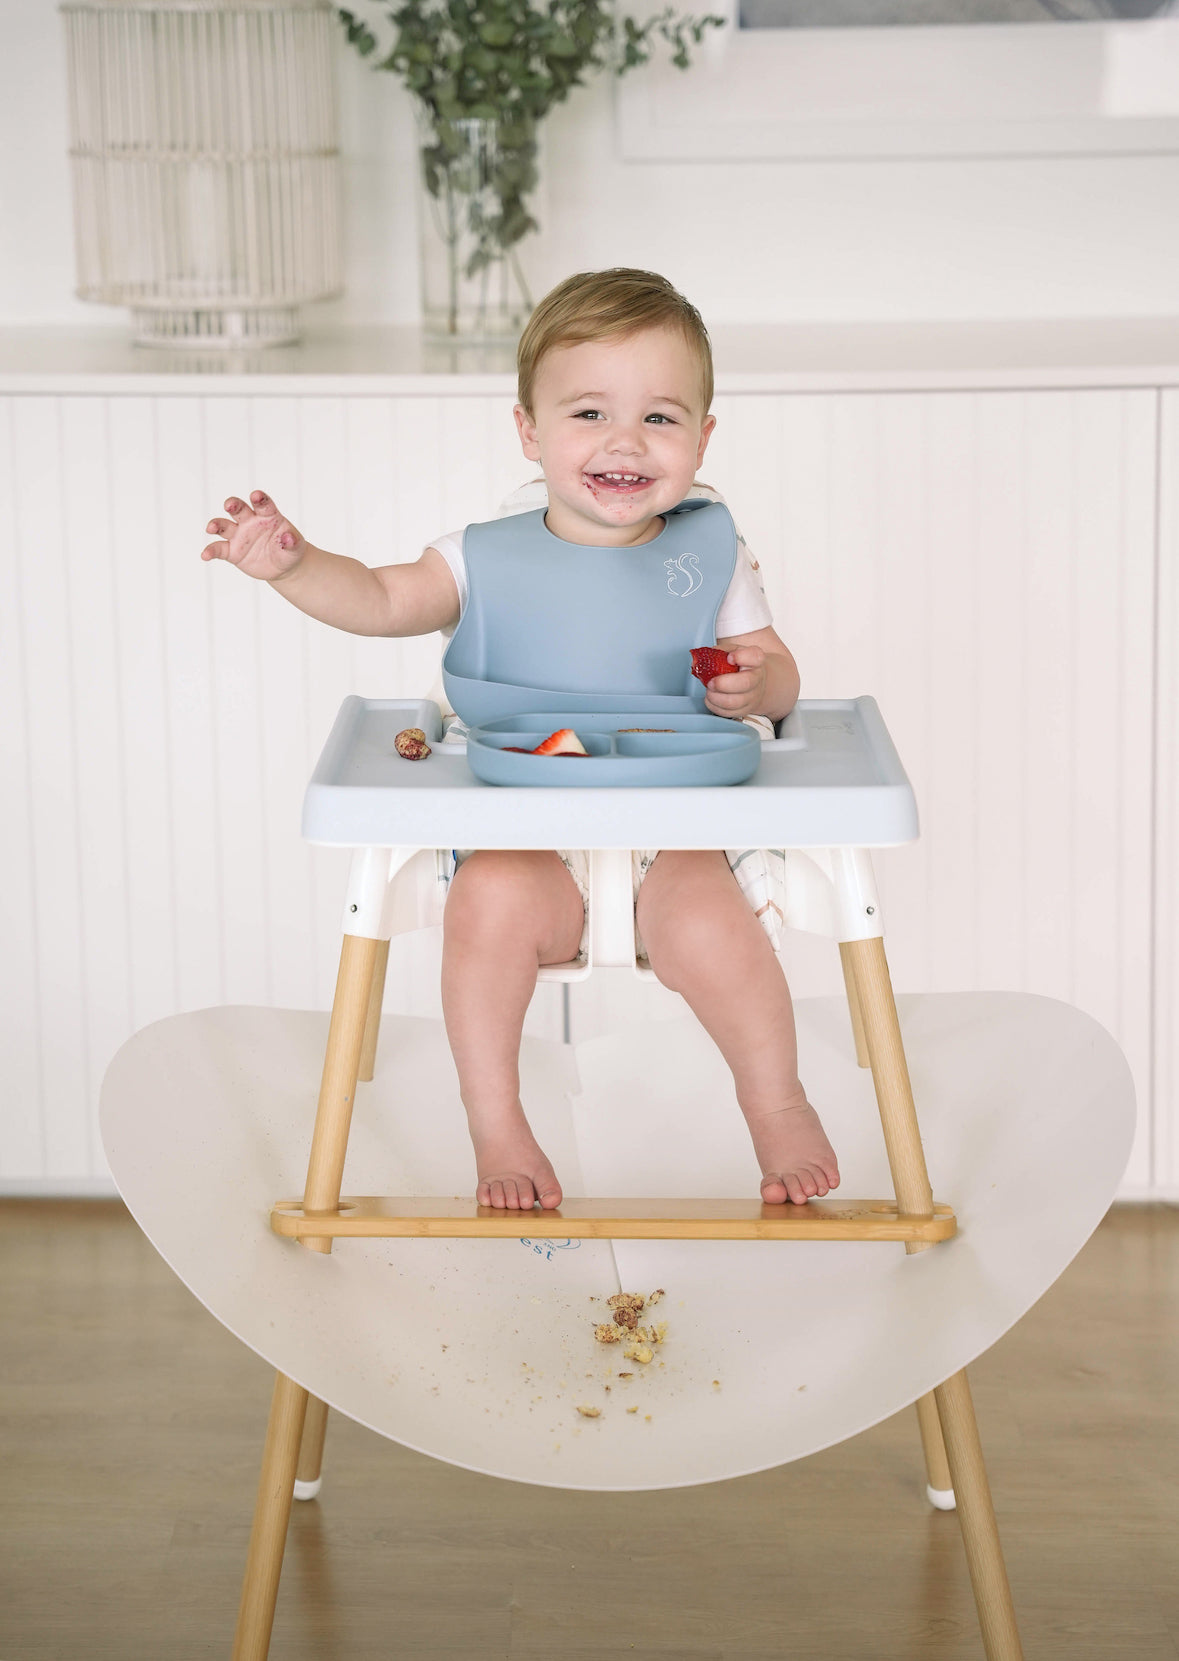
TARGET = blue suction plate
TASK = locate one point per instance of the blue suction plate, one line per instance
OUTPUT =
(659, 750)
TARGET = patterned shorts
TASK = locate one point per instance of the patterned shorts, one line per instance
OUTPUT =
(759, 873)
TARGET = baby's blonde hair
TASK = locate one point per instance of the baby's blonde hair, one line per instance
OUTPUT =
(609, 305)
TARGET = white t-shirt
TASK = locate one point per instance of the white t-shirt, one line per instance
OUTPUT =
(743, 609)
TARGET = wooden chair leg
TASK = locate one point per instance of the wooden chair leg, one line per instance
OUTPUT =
(341, 1069)
(310, 1468)
(272, 1513)
(980, 1532)
(870, 997)
(890, 1074)
(938, 1483)
(288, 1412)
(853, 1005)
(372, 1023)
(906, 1158)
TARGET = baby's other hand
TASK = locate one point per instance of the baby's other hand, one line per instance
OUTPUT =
(743, 691)
(257, 539)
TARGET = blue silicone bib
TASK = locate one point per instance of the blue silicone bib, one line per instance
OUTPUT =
(555, 625)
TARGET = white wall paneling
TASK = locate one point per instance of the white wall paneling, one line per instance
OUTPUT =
(163, 716)
(982, 562)
(1166, 959)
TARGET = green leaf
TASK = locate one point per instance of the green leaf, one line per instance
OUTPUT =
(359, 34)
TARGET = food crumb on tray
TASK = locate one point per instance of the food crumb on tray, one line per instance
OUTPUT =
(640, 1341)
(411, 744)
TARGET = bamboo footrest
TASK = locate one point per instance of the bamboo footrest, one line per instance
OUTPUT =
(615, 1220)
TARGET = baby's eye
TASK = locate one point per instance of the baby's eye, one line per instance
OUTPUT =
(581, 412)
(658, 417)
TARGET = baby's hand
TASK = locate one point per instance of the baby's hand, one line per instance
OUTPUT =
(743, 691)
(258, 540)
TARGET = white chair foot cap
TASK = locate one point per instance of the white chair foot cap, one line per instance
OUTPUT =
(308, 1490)
(943, 1498)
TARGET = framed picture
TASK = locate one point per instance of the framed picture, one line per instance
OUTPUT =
(929, 78)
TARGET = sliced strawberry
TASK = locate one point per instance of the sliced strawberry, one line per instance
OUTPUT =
(710, 661)
(562, 743)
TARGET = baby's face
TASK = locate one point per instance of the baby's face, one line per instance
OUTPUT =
(629, 407)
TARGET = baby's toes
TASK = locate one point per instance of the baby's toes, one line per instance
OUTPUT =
(814, 1180)
(826, 1177)
(501, 1193)
(799, 1186)
(773, 1190)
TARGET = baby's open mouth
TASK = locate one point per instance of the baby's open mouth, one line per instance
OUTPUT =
(623, 483)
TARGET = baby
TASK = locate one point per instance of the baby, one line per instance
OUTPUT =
(614, 393)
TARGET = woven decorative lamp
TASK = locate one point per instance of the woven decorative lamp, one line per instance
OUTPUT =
(205, 164)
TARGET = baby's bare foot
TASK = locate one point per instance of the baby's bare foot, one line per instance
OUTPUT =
(794, 1153)
(513, 1172)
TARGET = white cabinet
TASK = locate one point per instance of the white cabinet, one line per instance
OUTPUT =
(1165, 1081)
(985, 562)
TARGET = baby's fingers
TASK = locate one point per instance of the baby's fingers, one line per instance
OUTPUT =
(734, 684)
(259, 505)
(219, 550)
(747, 657)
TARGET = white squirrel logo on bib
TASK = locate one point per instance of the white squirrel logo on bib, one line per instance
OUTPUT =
(686, 565)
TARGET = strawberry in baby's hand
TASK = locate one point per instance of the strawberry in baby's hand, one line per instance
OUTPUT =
(562, 743)
(710, 661)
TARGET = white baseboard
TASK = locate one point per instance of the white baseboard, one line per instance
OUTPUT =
(102, 1188)
(1147, 1196)
(57, 1188)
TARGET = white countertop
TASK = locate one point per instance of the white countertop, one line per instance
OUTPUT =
(822, 357)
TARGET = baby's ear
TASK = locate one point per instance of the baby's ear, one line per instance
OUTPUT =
(526, 428)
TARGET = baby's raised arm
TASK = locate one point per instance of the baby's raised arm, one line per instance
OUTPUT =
(387, 600)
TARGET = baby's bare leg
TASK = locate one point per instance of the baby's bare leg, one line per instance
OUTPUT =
(704, 942)
(507, 913)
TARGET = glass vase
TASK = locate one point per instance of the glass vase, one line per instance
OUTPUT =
(475, 177)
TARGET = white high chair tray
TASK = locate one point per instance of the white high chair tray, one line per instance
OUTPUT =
(832, 778)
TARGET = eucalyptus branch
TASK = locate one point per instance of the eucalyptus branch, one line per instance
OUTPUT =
(508, 61)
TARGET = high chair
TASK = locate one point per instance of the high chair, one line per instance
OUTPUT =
(426, 1291)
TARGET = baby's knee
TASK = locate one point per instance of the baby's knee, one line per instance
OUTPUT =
(493, 888)
(680, 936)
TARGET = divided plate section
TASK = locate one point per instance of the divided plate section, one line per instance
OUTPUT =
(689, 750)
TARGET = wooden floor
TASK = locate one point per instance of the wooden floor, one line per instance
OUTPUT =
(132, 1426)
